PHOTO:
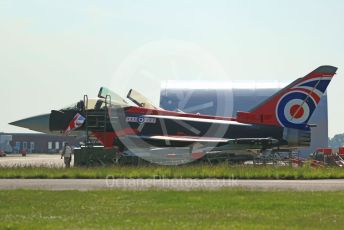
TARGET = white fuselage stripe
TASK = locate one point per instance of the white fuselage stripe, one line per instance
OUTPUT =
(198, 120)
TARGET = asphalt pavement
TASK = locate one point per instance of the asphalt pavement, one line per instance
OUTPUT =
(175, 184)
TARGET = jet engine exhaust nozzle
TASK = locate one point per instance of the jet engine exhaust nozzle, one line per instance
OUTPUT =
(297, 137)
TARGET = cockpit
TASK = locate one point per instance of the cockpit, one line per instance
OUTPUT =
(59, 119)
(92, 103)
(107, 98)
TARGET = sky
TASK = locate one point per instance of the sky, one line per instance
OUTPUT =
(54, 52)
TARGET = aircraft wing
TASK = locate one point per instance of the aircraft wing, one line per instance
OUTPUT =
(186, 139)
(221, 143)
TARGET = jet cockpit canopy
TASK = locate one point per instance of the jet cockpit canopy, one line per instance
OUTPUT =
(114, 97)
(140, 100)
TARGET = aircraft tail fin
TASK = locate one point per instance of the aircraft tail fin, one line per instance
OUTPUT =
(292, 106)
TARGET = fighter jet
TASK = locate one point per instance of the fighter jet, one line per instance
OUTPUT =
(279, 121)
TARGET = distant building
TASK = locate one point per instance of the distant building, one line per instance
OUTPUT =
(5, 145)
(34, 142)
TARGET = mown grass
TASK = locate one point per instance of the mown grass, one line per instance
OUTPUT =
(192, 171)
(153, 209)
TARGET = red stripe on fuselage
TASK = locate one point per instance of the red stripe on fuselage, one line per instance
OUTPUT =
(107, 138)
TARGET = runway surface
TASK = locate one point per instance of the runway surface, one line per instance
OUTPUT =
(176, 184)
(34, 160)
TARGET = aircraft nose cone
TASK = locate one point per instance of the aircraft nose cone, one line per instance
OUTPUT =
(38, 123)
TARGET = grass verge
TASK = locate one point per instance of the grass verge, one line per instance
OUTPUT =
(153, 209)
(191, 171)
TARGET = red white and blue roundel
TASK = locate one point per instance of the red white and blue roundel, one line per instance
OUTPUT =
(296, 106)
